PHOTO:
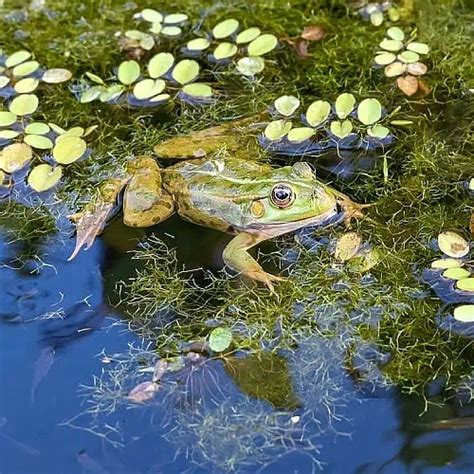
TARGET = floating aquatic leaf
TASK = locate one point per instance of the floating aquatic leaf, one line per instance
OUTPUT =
(464, 313)
(444, 263)
(384, 58)
(24, 104)
(313, 33)
(345, 105)
(248, 35)
(376, 18)
(286, 105)
(160, 64)
(37, 128)
(91, 94)
(456, 273)
(396, 33)
(111, 93)
(318, 112)
(198, 90)
(143, 392)
(225, 50)
(175, 18)
(250, 66)
(152, 16)
(27, 85)
(402, 122)
(452, 244)
(39, 142)
(408, 57)
(262, 45)
(14, 157)
(7, 118)
(148, 88)
(17, 58)
(56, 128)
(341, 129)
(466, 284)
(185, 71)
(198, 44)
(420, 48)
(44, 177)
(25, 69)
(225, 28)
(160, 98)
(72, 132)
(347, 246)
(391, 45)
(369, 111)
(95, 78)
(4, 81)
(393, 14)
(470, 185)
(408, 84)
(156, 28)
(128, 72)
(56, 76)
(89, 130)
(171, 31)
(8, 134)
(395, 69)
(277, 129)
(300, 134)
(417, 69)
(220, 339)
(378, 131)
(69, 149)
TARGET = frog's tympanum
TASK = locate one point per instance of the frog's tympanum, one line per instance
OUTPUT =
(254, 201)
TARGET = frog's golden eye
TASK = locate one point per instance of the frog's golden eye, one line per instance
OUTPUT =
(282, 195)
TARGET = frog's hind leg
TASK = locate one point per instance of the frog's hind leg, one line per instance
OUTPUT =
(236, 256)
(145, 202)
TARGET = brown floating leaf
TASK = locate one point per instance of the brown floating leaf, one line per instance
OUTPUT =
(407, 84)
(423, 88)
(159, 370)
(348, 246)
(143, 392)
(301, 48)
(313, 33)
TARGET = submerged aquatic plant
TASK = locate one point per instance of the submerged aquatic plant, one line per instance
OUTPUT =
(400, 57)
(344, 124)
(375, 12)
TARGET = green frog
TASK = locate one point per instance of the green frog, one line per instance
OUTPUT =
(251, 200)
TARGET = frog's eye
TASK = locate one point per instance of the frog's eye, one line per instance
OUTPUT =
(282, 196)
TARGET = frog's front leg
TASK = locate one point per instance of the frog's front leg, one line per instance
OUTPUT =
(236, 256)
(145, 202)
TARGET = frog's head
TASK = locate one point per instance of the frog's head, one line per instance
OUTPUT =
(294, 198)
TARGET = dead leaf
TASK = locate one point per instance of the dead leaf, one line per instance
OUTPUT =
(131, 48)
(301, 48)
(423, 88)
(407, 84)
(471, 224)
(143, 392)
(348, 246)
(42, 367)
(159, 371)
(313, 33)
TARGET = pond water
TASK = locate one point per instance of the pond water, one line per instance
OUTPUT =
(360, 362)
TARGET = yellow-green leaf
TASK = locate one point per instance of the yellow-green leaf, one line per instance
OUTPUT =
(198, 90)
(262, 45)
(69, 149)
(25, 69)
(25, 104)
(15, 157)
(225, 50)
(128, 72)
(345, 105)
(27, 85)
(185, 71)
(39, 142)
(318, 112)
(369, 111)
(277, 129)
(248, 35)
(17, 58)
(160, 64)
(56, 76)
(44, 177)
(225, 28)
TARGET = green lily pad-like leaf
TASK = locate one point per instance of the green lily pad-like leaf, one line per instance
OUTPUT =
(198, 44)
(225, 50)
(25, 69)
(378, 131)
(277, 129)
(198, 90)
(171, 31)
(69, 149)
(95, 78)
(15, 157)
(300, 134)
(452, 244)
(248, 35)
(466, 284)
(402, 123)
(4, 81)
(152, 16)
(318, 112)
(27, 85)
(175, 18)
(393, 14)
(56, 128)
(464, 313)
(91, 94)
(250, 66)
(160, 64)
(111, 93)
(185, 71)
(225, 28)
(160, 98)
(156, 28)
(396, 33)
(39, 142)
(456, 273)
(286, 105)
(408, 57)
(341, 129)
(148, 88)
(56, 76)
(72, 132)
(444, 263)
(384, 58)
(391, 45)
(376, 18)
(89, 130)
(8, 134)
(395, 69)
(262, 45)
(420, 48)
(7, 118)
(37, 128)
(128, 72)
(17, 58)
(344, 105)
(369, 111)
(220, 339)
(44, 177)
(25, 104)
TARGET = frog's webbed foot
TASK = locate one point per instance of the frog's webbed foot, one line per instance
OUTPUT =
(351, 209)
(236, 256)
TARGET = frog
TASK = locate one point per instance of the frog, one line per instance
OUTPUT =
(251, 200)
